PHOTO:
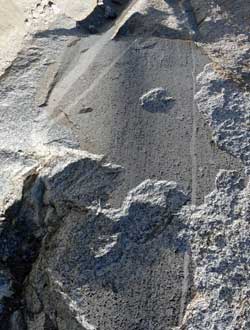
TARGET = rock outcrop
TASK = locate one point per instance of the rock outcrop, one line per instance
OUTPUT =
(218, 235)
(161, 240)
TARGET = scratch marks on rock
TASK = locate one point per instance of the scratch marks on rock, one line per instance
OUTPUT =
(193, 147)
(47, 85)
(185, 285)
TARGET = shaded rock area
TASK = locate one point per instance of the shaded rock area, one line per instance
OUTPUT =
(161, 240)
(127, 271)
(34, 216)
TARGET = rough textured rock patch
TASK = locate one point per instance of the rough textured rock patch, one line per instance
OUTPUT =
(35, 213)
(226, 106)
(113, 268)
(219, 239)
(156, 100)
(223, 32)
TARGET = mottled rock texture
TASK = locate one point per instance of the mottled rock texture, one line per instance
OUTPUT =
(128, 268)
(226, 106)
(219, 235)
(224, 34)
(161, 240)
(156, 100)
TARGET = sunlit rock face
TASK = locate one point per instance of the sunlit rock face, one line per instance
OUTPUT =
(124, 165)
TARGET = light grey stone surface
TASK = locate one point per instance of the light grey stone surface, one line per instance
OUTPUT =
(226, 106)
(218, 232)
(223, 32)
(171, 144)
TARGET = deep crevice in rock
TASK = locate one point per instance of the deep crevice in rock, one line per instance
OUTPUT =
(20, 242)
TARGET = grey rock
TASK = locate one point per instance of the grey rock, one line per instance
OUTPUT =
(110, 77)
(17, 321)
(224, 35)
(87, 245)
(104, 257)
(27, 219)
(6, 290)
(166, 19)
(156, 100)
(15, 166)
(7, 293)
(107, 265)
(143, 142)
(226, 106)
(219, 232)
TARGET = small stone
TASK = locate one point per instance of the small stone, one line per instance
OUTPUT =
(156, 100)
(85, 110)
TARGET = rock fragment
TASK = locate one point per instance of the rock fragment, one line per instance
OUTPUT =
(226, 107)
(219, 236)
(156, 100)
(168, 19)
(32, 215)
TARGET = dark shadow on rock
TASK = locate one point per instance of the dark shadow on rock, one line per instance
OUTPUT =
(128, 268)
(96, 22)
(19, 248)
(150, 25)
(24, 226)
(62, 32)
(236, 19)
(82, 183)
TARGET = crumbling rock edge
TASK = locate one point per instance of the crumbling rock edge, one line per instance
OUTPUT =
(225, 106)
(84, 252)
(25, 222)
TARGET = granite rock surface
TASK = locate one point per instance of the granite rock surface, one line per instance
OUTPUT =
(124, 165)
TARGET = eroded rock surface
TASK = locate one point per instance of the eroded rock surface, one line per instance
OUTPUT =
(219, 232)
(226, 106)
(35, 213)
(156, 100)
(159, 87)
(224, 35)
(118, 268)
